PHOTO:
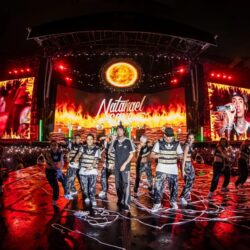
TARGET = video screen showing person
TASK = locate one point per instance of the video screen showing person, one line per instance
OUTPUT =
(15, 108)
(229, 114)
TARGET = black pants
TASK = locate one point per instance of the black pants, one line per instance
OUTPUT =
(122, 183)
(53, 177)
(140, 168)
(243, 172)
(218, 169)
(106, 173)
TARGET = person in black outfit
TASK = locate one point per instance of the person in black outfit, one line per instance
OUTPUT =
(54, 164)
(123, 150)
(220, 157)
(243, 163)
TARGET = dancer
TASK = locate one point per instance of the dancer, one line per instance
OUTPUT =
(167, 151)
(108, 166)
(123, 150)
(73, 169)
(220, 156)
(243, 163)
(187, 170)
(143, 164)
(54, 164)
(88, 157)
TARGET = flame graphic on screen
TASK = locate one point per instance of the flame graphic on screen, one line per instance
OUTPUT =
(152, 118)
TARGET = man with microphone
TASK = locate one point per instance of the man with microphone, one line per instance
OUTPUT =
(234, 121)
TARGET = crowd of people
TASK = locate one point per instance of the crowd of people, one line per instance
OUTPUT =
(116, 153)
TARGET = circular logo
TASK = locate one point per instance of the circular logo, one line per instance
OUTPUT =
(121, 74)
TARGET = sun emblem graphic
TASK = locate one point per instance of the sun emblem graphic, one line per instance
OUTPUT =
(121, 74)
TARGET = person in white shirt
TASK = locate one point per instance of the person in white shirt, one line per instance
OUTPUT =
(167, 150)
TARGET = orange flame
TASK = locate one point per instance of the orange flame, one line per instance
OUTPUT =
(152, 118)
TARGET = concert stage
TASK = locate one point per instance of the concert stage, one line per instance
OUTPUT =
(29, 221)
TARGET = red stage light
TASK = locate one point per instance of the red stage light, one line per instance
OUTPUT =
(68, 79)
(22, 70)
(174, 80)
(218, 75)
(181, 70)
(28, 69)
(229, 77)
(15, 71)
(61, 67)
(212, 74)
(10, 72)
(224, 76)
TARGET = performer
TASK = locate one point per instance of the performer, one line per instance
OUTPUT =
(220, 156)
(88, 157)
(234, 122)
(108, 166)
(143, 164)
(187, 170)
(167, 151)
(243, 163)
(73, 169)
(54, 164)
(123, 150)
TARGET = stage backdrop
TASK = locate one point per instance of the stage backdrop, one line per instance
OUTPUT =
(229, 113)
(15, 108)
(100, 110)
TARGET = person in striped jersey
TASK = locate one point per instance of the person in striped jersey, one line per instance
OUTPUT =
(243, 163)
(108, 167)
(88, 157)
(167, 150)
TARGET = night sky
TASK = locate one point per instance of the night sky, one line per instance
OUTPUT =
(229, 20)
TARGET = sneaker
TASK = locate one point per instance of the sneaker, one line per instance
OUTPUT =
(87, 200)
(68, 197)
(54, 203)
(210, 195)
(156, 207)
(73, 192)
(126, 208)
(224, 189)
(102, 195)
(174, 205)
(93, 203)
(183, 201)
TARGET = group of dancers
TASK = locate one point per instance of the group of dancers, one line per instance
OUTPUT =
(117, 151)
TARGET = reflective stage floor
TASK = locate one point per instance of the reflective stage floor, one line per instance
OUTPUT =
(29, 221)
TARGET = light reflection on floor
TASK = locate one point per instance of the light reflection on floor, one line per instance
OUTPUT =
(29, 221)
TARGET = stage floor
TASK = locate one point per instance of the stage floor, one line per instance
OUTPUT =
(29, 221)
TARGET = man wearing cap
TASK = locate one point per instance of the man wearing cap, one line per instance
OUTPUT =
(167, 150)
(234, 122)
(123, 150)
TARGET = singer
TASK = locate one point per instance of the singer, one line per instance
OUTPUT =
(235, 125)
